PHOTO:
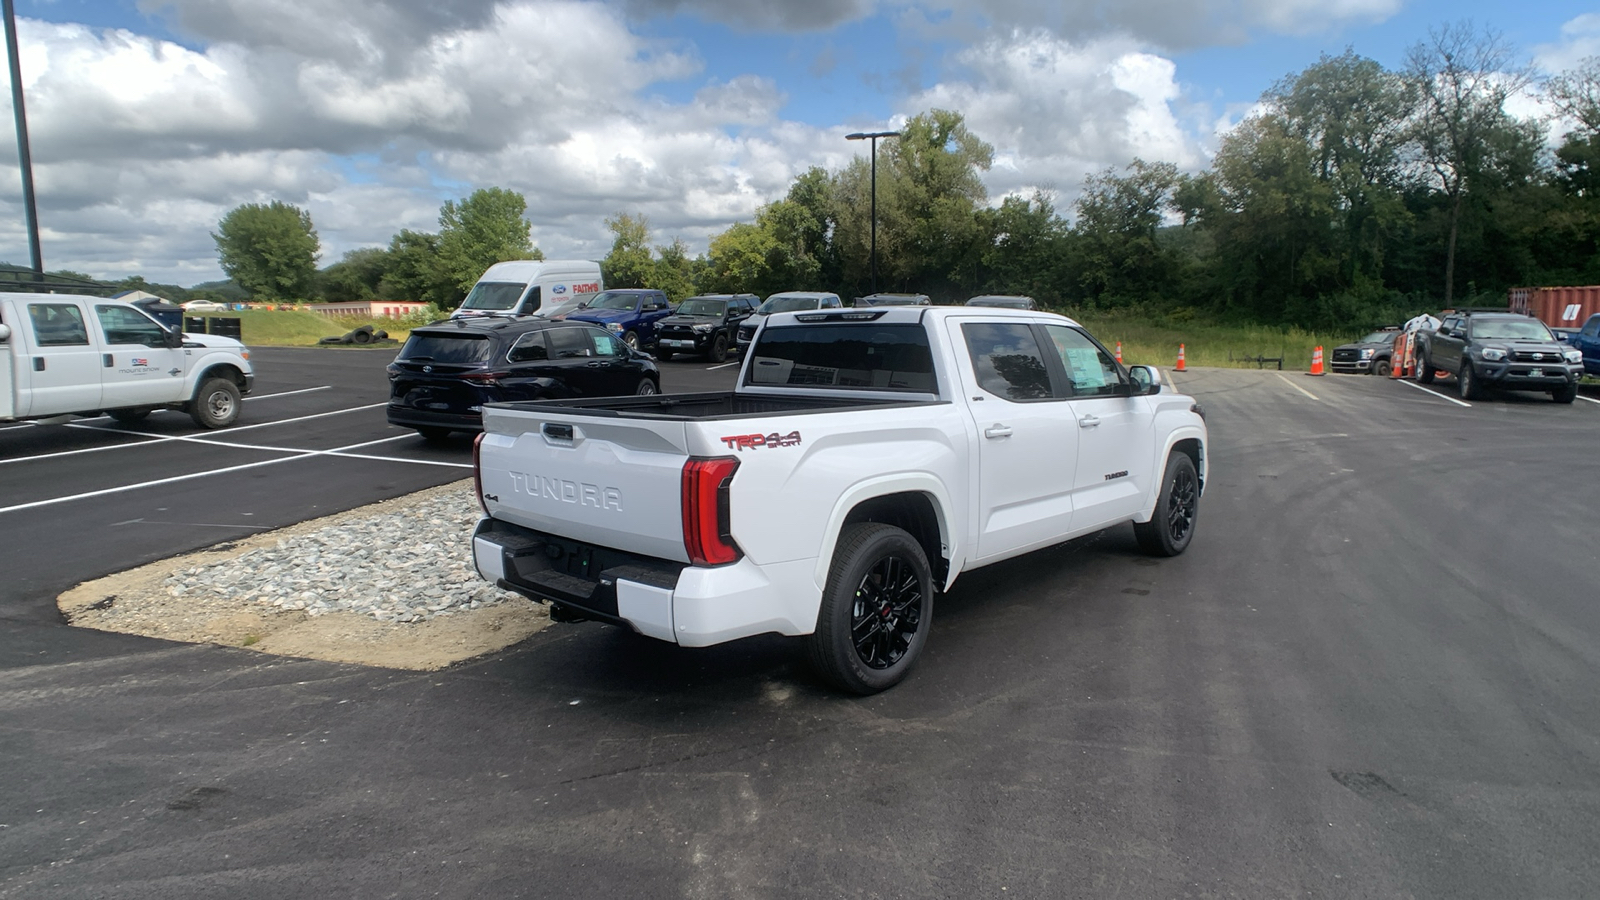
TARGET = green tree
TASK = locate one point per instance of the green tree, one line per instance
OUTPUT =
(674, 272)
(1025, 248)
(269, 249)
(355, 277)
(1119, 260)
(740, 260)
(1464, 79)
(930, 210)
(413, 272)
(629, 264)
(479, 231)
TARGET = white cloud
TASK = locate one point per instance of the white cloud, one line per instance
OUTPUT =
(1580, 38)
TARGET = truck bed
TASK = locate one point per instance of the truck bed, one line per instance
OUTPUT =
(707, 406)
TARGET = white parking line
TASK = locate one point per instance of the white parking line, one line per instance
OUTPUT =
(297, 455)
(148, 439)
(1589, 399)
(723, 366)
(289, 393)
(1298, 388)
(1433, 393)
(343, 451)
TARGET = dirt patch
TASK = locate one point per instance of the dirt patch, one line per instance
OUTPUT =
(136, 602)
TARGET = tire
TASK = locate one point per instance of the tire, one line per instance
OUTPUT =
(362, 335)
(631, 339)
(1424, 370)
(646, 388)
(1170, 530)
(216, 404)
(1381, 369)
(893, 621)
(433, 434)
(1565, 393)
(663, 355)
(136, 415)
(719, 349)
(1467, 383)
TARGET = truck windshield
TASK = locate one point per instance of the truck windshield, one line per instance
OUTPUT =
(787, 304)
(614, 300)
(494, 295)
(702, 308)
(457, 349)
(845, 355)
(1378, 337)
(1511, 329)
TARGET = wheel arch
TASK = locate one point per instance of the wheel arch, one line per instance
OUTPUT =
(222, 369)
(916, 503)
(1188, 441)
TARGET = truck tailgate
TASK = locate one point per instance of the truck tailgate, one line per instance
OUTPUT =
(610, 481)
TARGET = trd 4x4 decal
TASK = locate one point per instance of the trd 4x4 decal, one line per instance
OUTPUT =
(742, 442)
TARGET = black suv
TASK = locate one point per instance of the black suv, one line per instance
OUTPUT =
(1372, 354)
(1502, 350)
(447, 371)
(705, 324)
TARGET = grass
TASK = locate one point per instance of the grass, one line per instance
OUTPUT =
(1152, 342)
(303, 328)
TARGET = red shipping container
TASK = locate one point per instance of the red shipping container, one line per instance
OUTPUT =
(1558, 307)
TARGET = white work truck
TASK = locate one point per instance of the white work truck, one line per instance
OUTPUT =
(64, 355)
(865, 460)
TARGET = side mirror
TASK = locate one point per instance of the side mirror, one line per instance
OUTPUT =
(1146, 380)
(172, 339)
(5, 332)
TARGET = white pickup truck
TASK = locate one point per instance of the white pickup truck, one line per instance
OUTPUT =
(865, 460)
(63, 355)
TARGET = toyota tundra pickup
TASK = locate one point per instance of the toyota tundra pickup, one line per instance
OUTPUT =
(864, 461)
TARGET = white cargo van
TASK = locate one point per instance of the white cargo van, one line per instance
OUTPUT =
(63, 355)
(521, 287)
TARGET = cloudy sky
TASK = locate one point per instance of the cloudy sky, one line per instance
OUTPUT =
(150, 119)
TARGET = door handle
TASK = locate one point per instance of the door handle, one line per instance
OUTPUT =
(38, 364)
(110, 360)
(996, 431)
(1088, 421)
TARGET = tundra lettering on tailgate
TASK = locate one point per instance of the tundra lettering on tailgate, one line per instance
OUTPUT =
(560, 490)
(743, 442)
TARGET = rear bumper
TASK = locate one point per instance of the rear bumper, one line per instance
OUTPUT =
(406, 417)
(689, 605)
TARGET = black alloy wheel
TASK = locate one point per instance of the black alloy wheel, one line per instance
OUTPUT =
(877, 609)
(1171, 528)
(646, 388)
(719, 348)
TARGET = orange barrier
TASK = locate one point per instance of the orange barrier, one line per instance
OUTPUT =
(1400, 360)
(1180, 367)
(1316, 362)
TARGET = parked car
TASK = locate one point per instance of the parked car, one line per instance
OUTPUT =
(1003, 301)
(1373, 354)
(447, 371)
(522, 287)
(707, 324)
(787, 301)
(631, 313)
(862, 463)
(893, 300)
(204, 306)
(64, 354)
(1586, 340)
(1502, 350)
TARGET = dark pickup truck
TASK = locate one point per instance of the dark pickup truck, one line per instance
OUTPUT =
(1499, 350)
(1586, 340)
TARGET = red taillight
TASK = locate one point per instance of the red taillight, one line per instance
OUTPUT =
(707, 537)
(477, 471)
(487, 378)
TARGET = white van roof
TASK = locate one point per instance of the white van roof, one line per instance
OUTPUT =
(525, 270)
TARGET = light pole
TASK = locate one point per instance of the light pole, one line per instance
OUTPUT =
(30, 210)
(873, 137)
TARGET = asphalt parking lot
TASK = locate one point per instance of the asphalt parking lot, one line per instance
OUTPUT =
(1372, 675)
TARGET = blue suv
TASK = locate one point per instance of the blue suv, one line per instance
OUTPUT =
(630, 313)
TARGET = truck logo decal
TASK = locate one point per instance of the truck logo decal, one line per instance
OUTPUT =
(558, 289)
(742, 442)
(140, 362)
(562, 491)
(592, 287)
(1115, 475)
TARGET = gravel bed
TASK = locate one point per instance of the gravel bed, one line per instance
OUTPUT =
(409, 563)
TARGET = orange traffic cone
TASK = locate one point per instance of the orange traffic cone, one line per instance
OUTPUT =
(1316, 362)
(1400, 360)
(1180, 367)
(1119, 351)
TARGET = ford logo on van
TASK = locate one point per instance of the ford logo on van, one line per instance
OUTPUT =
(558, 289)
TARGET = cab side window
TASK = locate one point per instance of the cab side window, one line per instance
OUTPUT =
(58, 325)
(1007, 360)
(1592, 327)
(1090, 371)
(126, 326)
(831, 303)
(531, 347)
